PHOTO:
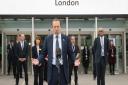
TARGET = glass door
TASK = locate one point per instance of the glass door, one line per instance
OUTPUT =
(127, 51)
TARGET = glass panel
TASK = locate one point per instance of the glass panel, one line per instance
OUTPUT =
(0, 52)
(127, 50)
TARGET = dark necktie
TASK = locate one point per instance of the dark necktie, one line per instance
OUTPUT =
(57, 47)
(57, 42)
(73, 48)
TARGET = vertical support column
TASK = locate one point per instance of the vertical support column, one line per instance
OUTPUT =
(33, 31)
(67, 26)
(2, 53)
(79, 38)
(32, 36)
(96, 27)
(125, 61)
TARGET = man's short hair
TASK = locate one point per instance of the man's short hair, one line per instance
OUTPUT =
(55, 19)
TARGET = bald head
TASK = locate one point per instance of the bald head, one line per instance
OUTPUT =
(101, 31)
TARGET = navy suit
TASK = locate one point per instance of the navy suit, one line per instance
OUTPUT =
(22, 53)
(48, 49)
(38, 70)
(100, 60)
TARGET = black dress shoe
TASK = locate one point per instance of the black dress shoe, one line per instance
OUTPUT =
(21, 76)
(76, 84)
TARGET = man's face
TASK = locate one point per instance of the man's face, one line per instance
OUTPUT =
(101, 32)
(22, 37)
(73, 40)
(56, 27)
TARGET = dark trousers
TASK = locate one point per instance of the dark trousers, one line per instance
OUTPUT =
(45, 71)
(25, 71)
(86, 65)
(112, 69)
(94, 70)
(56, 78)
(71, 67)
(14, 68)
(100, 69)
(9, 64)
(20, 70)
(38, 75)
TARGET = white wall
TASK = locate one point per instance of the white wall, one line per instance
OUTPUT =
(45, 7)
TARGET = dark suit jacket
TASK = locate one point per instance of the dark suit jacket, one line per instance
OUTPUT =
(10, 51)
(72, 53)
(48, 49)
(97, 49)
(34, 51)
(35, 54)
(22, 53)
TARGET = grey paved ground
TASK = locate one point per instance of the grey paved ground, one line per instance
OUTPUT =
(83, 80)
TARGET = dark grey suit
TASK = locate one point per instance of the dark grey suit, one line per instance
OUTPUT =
(100, 60)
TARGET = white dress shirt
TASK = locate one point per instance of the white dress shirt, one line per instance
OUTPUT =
(102, 45)
(54, 48)
(22, 44)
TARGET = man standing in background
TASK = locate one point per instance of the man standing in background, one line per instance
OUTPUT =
(101, 47)
(22, 56)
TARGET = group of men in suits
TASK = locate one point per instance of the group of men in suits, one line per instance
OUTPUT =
(68, 56)
(63, 56)
(59, 41)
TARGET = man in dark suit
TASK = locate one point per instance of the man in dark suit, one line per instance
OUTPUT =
(74, 54)
(101, 45)
(16, 56)
(51, 44)
(22, 56)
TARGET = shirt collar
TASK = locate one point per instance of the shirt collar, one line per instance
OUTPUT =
(101, 36)
(21, 41)
(59, 35)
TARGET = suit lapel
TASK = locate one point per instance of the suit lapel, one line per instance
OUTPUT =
(50, 40)
(19, 44)
(36, 51)
(63, 42)
(99, 41)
